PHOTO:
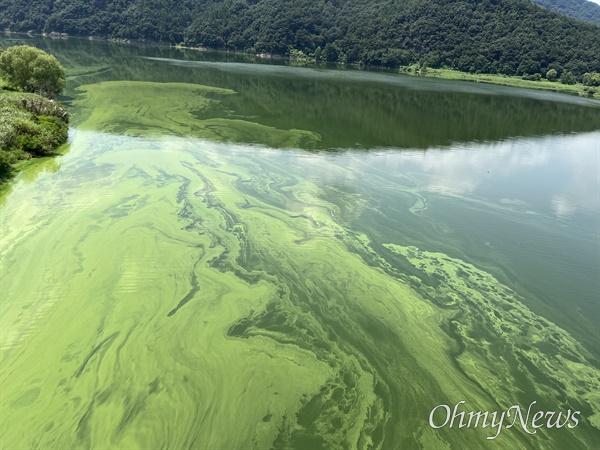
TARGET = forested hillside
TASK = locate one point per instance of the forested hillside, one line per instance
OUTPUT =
(579, 9)
(496, 36)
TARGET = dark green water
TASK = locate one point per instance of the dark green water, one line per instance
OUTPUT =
(236, 254)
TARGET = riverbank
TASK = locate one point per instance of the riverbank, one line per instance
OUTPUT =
(505, 80)
(298, 58)
(31, 126)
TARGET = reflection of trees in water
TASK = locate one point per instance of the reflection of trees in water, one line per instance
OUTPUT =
(346, 114)
(376, 115)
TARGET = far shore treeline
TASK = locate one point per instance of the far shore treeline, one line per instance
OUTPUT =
(512, 37)
(32, 122)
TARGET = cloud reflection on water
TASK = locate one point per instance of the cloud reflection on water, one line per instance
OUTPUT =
(562, 169)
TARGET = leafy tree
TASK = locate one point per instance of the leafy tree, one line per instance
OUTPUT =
(534, 77)
(591, 79)
(318, 52)
(551, 75)
(32, 70)
(331, 52)
(568, 78)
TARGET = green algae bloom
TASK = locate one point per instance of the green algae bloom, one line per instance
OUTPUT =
(172, 286)
(146, 108)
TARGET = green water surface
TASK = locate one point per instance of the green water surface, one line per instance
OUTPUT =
(239, 255)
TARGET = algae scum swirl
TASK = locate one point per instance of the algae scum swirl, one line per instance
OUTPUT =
(171, 286)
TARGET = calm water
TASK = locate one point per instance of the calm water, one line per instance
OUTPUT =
(235, 254)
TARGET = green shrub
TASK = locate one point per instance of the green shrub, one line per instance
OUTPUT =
(24, 132)
(534, 77)
(5, 167)
(591, 79)
(568, 78)
(551, 75)
(54, 131)
(589, 91)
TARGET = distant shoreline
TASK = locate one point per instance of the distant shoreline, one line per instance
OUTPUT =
(515, 81)
(577, 89)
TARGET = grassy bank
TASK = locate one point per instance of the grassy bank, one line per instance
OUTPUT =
(556, 86)
(30, 126)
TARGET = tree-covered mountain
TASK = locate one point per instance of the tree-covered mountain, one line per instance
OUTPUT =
(578, 9)
(497, 36)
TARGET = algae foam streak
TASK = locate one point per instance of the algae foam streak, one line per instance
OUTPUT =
(172, 285)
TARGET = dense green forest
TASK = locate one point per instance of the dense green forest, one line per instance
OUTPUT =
(490, 36)
(579, 9)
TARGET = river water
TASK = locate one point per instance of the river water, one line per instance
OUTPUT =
(237, 254)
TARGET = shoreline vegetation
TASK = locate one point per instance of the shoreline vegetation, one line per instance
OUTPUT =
(570, 85)
(32, 127)
(33, 123)
(505, 80)
(549, 82)
(588, 87)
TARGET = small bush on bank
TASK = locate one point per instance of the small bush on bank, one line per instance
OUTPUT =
(30, 125)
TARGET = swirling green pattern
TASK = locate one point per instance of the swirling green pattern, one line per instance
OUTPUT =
(172, 108)
(169, 291)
